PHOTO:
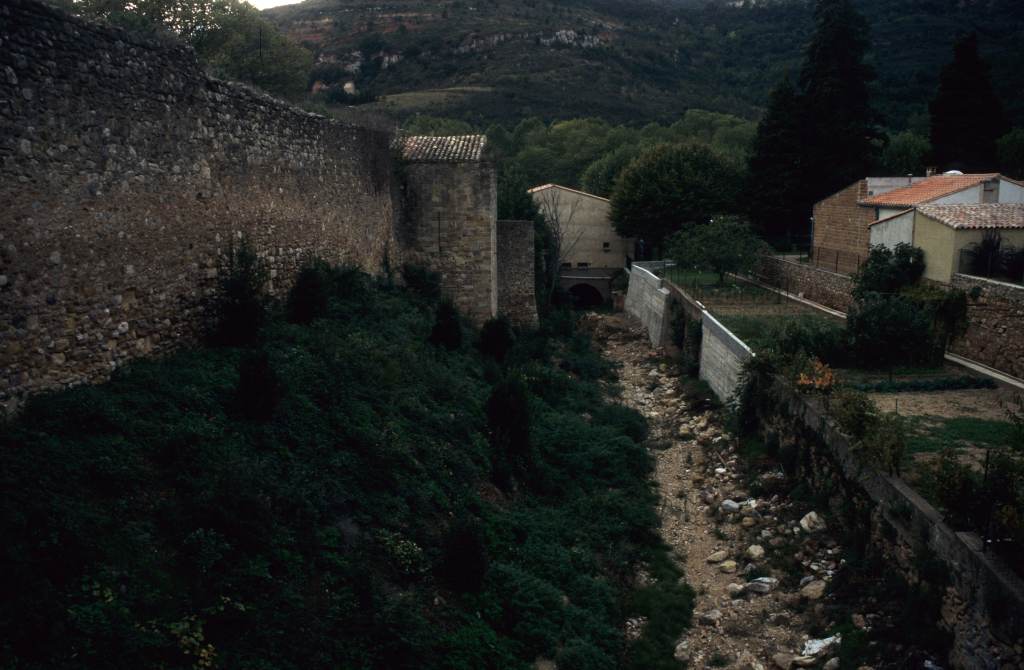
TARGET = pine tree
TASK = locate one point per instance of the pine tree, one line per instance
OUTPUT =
(839, 125)
(776, 197)
(966, 116)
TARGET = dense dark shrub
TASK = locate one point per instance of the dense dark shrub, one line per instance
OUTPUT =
(692, 334)
(308, 298)
(259, 388)
(422, 281)
(811, 337)
(889, 270)
(508, 419)
(986, 258)
(885, 330)
(240, 301)
(496, 338)
(447, 331)
(464, 560)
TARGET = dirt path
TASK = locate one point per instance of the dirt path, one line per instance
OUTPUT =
(761, 579)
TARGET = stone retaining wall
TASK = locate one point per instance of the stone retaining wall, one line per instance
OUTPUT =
(995, 331)
(126, 172)
(806, 281)
(980, 602)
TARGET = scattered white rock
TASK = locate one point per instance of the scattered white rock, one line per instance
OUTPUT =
(710, 618)
(718, 556)
(728, 567)
(682, 651)
(735, 590)
(755, 552)
(762, 585)
(812, 523)
(730, 506)
(822, 646)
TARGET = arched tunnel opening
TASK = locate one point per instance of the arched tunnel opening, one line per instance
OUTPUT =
(585, 296)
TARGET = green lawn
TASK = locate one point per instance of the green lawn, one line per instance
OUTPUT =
(934, 433)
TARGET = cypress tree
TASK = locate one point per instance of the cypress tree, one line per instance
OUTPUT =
(966, 116)
(777, 199)
(839, 125)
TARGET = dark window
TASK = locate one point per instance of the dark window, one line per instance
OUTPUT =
(607, 246)
(583, 265)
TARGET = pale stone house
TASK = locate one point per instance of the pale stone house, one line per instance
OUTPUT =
(584, 221)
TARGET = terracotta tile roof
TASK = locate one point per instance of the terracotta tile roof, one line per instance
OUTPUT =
(451, 149)
(927, 190)
(994, 215)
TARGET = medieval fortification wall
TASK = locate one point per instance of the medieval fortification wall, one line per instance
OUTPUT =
(126, 172)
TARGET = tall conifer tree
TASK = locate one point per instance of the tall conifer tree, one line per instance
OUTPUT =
(966, 116)
(776, 199)
(819, 137)
(839, 125)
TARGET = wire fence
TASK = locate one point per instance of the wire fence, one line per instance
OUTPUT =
(836, 260)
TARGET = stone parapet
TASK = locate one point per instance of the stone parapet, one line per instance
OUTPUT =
(995, 324)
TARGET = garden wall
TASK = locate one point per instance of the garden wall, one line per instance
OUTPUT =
(126, 172)
(648, 299)
(806, 281)
(995, 331)
(980, 602)
(722, 356)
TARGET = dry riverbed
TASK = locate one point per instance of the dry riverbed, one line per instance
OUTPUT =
(763, 566)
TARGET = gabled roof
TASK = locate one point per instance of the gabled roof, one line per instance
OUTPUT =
(993, 216)
(891, 217)
(450, 149)
(927, 190)
(537, 189)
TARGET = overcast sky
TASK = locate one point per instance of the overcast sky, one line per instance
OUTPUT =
(263, 4)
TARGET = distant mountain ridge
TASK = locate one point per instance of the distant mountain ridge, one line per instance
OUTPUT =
(631, 61)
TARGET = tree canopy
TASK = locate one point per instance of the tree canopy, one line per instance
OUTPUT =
(726, 244)
(671, 187)
(966, 116)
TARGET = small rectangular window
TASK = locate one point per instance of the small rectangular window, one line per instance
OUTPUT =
(583, 265)
(607, 246)
(566, 266)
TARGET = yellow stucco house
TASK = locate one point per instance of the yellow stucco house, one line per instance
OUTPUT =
(943, 231)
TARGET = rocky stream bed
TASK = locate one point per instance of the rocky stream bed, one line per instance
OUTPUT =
(763, 566)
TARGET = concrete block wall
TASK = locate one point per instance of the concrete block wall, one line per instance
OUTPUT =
(648, 299)
(722, 356)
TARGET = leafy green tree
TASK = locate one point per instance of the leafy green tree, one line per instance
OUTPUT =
(1011, 153)
(599, 177)
(838, 123)
(671, 187)
(966, 116)
(905, 153)
(514, 200)
(889, 270)
(727, 244)
(776, 196)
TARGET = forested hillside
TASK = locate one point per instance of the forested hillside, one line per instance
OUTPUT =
(633, 61)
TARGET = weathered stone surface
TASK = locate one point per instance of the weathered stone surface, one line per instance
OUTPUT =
(728, 567)
(814, 590)
(755, 552)
(812, 522)
(718, 556)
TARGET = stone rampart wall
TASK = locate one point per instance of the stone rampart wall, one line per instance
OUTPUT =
(125, 173)
(995, 331)
(517, 295)
(450, 226)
